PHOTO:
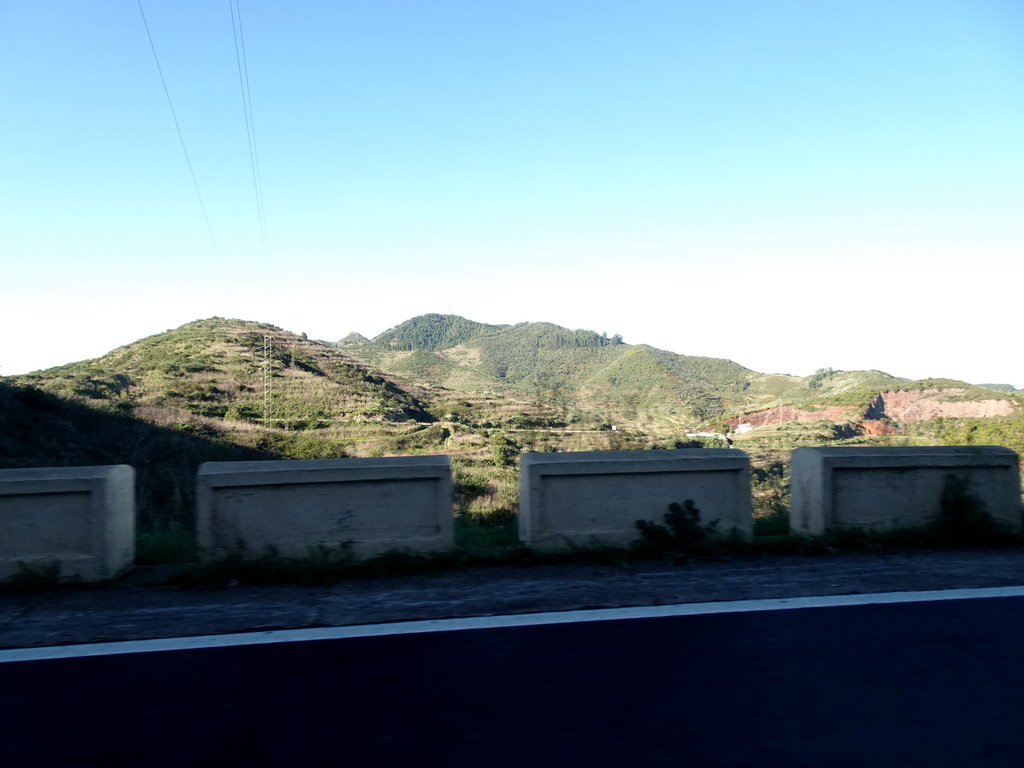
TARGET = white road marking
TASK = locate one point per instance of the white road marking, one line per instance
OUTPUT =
(493, 622)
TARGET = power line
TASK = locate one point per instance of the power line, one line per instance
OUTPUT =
(250, 126)
(195, 184)
(257, 182)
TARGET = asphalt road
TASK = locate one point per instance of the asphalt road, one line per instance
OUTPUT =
(911, 683)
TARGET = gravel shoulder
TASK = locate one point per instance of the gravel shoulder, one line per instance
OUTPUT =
(126, 611)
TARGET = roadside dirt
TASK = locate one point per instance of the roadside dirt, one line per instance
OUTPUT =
(129, 611)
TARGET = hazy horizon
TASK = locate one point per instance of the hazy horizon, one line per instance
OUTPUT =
(370, 337)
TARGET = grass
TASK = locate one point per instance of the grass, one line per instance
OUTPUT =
(774, 522)
(491, 537)
(41, 577)
(165, 542)
(490, 544)
(329, 567)
(499, 529)
(483, 540)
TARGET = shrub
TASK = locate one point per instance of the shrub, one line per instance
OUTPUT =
(503, 450)
(682, 535)
(962, 518)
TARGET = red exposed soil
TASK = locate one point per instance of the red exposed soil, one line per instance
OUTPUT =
(929, 404)
(876, 428)
(788, 413)
(898, 406)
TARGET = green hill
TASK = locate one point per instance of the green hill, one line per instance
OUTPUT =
(842, 388)
(859, 388)
(41, 429)
(216, 368)
(434, 365)
(166, 403)
(352, 338)
(431, 332)
(999, 387)
(528, 354)
(221, 390)
(557, 367)
(664, 382)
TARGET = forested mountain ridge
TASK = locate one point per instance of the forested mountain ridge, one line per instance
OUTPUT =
(219, 369)
(431, 332)
(565, 367)
(586, 370)
(224, 390)
(220, 389)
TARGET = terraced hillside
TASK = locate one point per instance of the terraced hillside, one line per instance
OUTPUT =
(221, 389)
(573, 371)
(166, 403)
(234, 375)
(215, 369)
(582, 375)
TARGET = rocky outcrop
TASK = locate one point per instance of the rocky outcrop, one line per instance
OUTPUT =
(919, 405)
(931, 404)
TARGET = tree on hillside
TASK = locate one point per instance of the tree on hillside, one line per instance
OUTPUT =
(503, 450)
(819, 377)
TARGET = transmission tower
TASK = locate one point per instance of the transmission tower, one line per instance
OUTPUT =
(268, 362)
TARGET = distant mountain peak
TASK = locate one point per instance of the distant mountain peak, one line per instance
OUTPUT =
(354, 338)
(999, 387)
(432, 332)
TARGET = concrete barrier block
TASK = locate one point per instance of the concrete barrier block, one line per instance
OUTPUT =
(80, 517)
(369, 505)
(885, 488)
(596, 497)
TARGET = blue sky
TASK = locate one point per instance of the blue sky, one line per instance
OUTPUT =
(791, 185)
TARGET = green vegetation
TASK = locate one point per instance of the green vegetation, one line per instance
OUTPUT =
(820, 376)
(922, 384)
(999, 387)
(483, 394)
(39, 429)
(165, 541)
(486, 496)
(215, 369)
(432, 332)
(496, 529)
(682, 535)
(681, 540)
(857, 399)
(503, 450)
(42, 577)
(558, 367)
(1007, 431)
(422, 365)
(962, 518)
(769, 487)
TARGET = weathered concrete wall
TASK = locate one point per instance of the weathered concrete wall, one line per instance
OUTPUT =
(373, 505)
(81, 517)
(884, 488)
(596, 497)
